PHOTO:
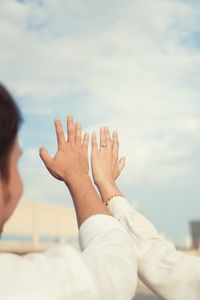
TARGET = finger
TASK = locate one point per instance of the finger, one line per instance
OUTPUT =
(115, 144)
(70, 129)
(78, 133)
(59, 132)
(46, 158)
(94, 142)
(122, 162)
(85, 142)
(108, 137)
(103, 139)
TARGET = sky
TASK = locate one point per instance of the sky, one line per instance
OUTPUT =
(129, 65)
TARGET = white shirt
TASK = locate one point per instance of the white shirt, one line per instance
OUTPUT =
(170, 274)
(106, 269)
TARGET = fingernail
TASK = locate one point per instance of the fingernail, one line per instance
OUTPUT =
(41, 150)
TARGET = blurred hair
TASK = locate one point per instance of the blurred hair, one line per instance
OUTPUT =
(10, 120)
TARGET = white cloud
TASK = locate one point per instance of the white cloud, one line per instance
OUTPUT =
(135, 65)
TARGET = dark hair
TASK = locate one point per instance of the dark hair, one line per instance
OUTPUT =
(10, 120)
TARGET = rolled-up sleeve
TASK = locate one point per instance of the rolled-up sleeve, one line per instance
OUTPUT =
(169, 273)
(105, 268)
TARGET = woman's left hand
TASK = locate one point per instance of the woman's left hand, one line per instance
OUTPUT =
(105, 164)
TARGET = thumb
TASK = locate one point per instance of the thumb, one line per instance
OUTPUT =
(46, 158)
(122, 163)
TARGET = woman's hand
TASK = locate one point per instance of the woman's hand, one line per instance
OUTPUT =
(71, 158)
(105, 164)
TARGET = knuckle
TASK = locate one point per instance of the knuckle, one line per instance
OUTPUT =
(71, 132)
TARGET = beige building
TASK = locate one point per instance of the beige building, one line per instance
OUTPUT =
(36, 226)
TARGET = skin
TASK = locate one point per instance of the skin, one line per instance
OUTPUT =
(70, 164)
(11, 192)
(106, 166)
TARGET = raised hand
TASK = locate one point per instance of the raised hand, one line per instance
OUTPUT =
(71, 158)
(104, 160)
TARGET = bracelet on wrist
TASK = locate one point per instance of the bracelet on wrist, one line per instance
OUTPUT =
(109, 199)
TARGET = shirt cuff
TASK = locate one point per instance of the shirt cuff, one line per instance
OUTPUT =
(95, 225)
(120, 206)
(135, 222)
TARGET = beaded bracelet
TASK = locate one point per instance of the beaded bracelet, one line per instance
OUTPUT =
(117, 195)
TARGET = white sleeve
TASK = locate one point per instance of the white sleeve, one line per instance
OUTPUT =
(106, 269)
(169, 273)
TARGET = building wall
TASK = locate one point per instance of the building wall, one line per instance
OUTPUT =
(37, 226)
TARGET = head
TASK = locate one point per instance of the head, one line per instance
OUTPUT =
(10, 182)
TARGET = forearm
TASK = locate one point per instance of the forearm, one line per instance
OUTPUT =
(108, 189)
(86, 200)
(160, 266)
(108, 253)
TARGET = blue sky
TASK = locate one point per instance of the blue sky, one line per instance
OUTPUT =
(130, 65)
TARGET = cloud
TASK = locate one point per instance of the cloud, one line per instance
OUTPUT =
(131, 65)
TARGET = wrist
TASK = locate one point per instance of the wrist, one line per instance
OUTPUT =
(108, 189)
(85, 198)
(100, 182)
(77, 179)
